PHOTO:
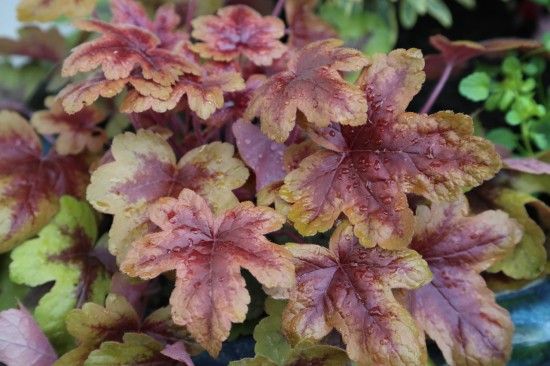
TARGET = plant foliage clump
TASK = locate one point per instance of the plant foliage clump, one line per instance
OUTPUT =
(165, 188)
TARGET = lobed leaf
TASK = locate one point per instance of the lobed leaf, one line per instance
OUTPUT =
(528, 258)
(64, 253)
(30, 183)
(313, 86)
(456, 309)
(239, 30)
(205, 94)
(366, 171)
(76, 132)
(99, 331)
(22, 342)
(207, 253)
(272, 347)
(164, 26)
(148, 56)
(94, 324)
(120, 49)
(349, 288)
(144, 169)
(135, 349)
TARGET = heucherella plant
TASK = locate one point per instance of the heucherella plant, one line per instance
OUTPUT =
(242, 137)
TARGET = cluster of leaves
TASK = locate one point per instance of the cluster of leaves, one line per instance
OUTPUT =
(516, 89)
(171, 200)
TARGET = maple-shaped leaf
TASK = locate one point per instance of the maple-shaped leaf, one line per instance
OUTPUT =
(163, 26)
(458, 53)
(31, 184)
(239, 30)
(349, 287)
(456, 309)
(22, 342)
(64, 253)
(205, 94)
(528, 259)
(35, 43)
(262, 155)
(207, 253)
(48, 10)
(135, 349)
(76, 132)
(120, 48)
(76, 96)
(94, 324)
(365, 172)
(273, 349)
(304, 25)
(312, 85)
(144, 168)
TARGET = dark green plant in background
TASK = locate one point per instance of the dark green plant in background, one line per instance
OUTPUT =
(515, 88)
(373, 25)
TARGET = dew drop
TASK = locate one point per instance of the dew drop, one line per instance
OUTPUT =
(247, 141)
(332, 133)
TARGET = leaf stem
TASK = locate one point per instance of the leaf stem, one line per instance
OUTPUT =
(526, 138)
(278, 8)
(438, 88)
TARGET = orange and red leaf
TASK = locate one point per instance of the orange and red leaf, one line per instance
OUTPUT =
(313, 86)
(349, 288)
(456, 309)
(207, 252)
(239, 30)
(366, 171)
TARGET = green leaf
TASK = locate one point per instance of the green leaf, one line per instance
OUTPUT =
(62, 253)
(273, 349)
(528, 257)
(135, 349)
(468, 4)
(511, 66)
(475, 86)
(513, 117)
(407, 14)
(421, 6)
(270, 341)
(503, 136)
(438, 10)
(373, 28)
(540, 133)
